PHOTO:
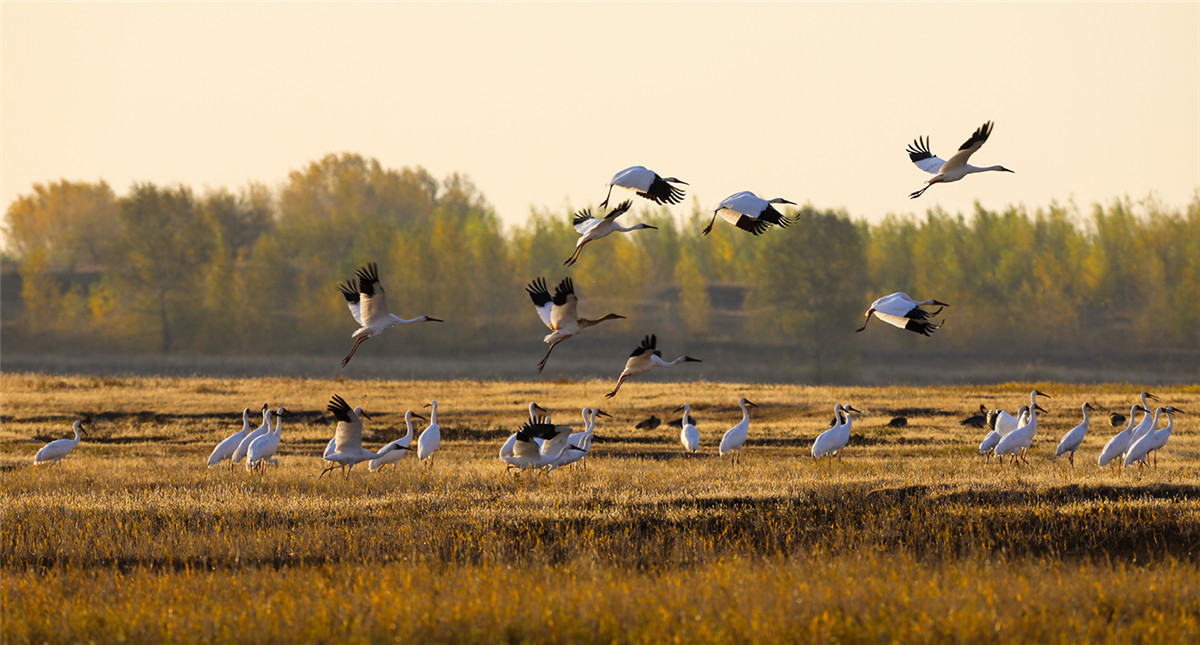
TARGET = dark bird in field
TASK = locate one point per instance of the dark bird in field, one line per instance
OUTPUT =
(898, 422)
(977, 420)
(649, 423)
(1116, 419)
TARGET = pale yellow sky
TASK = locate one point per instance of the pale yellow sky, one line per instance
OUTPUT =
(541, 103)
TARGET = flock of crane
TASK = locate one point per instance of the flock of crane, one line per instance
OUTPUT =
(1012, 436)
(544, 445)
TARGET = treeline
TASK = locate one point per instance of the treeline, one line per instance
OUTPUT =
(163, 268)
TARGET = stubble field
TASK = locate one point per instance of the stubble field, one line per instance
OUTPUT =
(910, 537)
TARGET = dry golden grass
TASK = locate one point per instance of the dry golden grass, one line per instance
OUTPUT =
(910, 537)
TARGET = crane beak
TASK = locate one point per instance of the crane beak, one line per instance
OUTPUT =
(1006, 169)
(432, 319)
(677, 409)
(1042, 394)
(365, 415)
(1040, 409)
(417, 416)
(689, 359)
(603, 413)
(940, 303)
(751, 404)
(650, 226)
(853, 409)
(1152, 397)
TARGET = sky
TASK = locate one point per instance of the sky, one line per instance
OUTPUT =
(540, 104)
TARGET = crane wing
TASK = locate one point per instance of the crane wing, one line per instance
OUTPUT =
(372, 299)
(541, 300)
(970, 146)
(565, 304)
(584, 222)
(350, 293)
(918, 153)
(619, 210)
(348, 435)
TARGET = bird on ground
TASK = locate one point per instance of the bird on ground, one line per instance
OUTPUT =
(1071, 440)
(750, 212)
(559, 313)
(1146, 425)
(368, 305)
(244, 445)
(977, 420)
(54, 451)
(537, 414)
(536, 444)
(430, 438)
(229, 445)
(591, 229)
(954, 169)
(1153, 441)
(1001, 423)
(900, 310)
(262, 449)
(579, 444)
(399, 448)
(348, 449)
(1018, 442)
(646, 183)
(689, 436)
(898, 422)
(835, 439)
(735, 437)
(1120, 441)
(649, 423)
(645, 358)
(1116, 419)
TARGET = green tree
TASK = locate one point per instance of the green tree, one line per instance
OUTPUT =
(72, 224)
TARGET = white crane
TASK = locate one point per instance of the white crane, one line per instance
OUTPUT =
(900, 310)
(229, 445)
(646, 183)
(835, 439)
(1153, 441)
(579, 443)
(52, 452)
(988, 445)
(1071, 440)
(591, 229)
(430, 438)
(1019, 441)
(750, 212)
(537, 414)
(529, 453)
(954, 169)
(735, 437)
(689, 435)
(1120, 441)
(368, 305)
(1146, 425)
(348, 449)
(399, 448)
(262, 449)
(645, 358)
(244, 445)
(559, 313)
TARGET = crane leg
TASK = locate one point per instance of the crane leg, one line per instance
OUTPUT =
(708, 229)
(865, 322)
(353, 349)
(618, 387)
(604, 204)
(545, 358)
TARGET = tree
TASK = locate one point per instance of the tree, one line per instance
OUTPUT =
(72, 224)
(165, 243)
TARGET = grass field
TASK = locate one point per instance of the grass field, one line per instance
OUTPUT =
(910, 537)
